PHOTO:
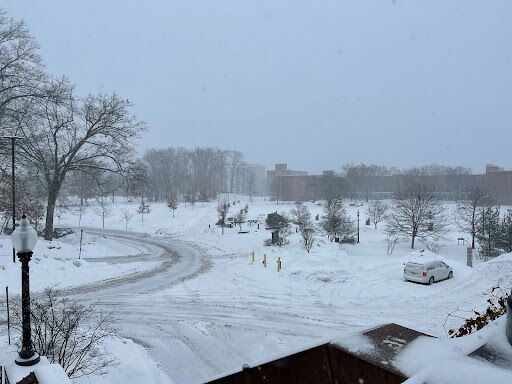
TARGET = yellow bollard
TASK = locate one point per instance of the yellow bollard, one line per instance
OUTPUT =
(253, 257)
(265, 260)
(278, 264)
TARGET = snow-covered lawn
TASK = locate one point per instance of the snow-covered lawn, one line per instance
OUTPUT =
(237, 311)
(56, 263)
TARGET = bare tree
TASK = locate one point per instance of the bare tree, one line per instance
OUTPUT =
(469, 211)
(62, 206)
(240, 218)
(437, 170)
(376, 211)
(222, 212)
(236, 162)
(127, 216)
(416, 213)
(83, 185)
(68, 333)
(26, 200)
(172, 204)
(21, 71)
(102, 208)
(64, 134)
(391, 240)
(336, 222)
(302, 218)
(190, 198)
(144, 209)
(178, 171)
(60, 209)
(81, 209)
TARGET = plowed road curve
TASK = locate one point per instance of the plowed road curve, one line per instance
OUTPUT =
(195, 336)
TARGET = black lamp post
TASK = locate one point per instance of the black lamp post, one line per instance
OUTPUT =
(358, 226)
(24, 239)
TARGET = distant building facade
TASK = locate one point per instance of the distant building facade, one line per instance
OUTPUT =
(493, 168)
(284, 184)
(276, 180)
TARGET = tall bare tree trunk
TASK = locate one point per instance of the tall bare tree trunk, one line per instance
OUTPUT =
(473, 236)
(50, 211)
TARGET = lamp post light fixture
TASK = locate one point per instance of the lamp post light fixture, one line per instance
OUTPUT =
(24, 239)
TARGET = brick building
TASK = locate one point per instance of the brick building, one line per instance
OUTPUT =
(284, 184)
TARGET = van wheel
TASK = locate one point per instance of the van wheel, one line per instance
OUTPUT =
(450, 275)
(431, 280)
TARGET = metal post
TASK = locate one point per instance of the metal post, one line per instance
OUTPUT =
(13, 141)
(81, 237)
(358, 226)
(27, 355)
(8, 315)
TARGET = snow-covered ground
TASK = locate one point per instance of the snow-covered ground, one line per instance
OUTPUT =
(56, 263)
(214, 310)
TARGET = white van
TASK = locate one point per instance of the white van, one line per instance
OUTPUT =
(427, 272)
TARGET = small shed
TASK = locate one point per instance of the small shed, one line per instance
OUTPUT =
(274, 223)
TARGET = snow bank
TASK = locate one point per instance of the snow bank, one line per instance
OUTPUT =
(133, 365)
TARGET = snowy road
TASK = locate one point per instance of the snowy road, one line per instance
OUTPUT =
(179, 261)
(140, 314)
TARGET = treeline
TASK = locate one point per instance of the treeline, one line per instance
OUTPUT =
(364, 170)
(197, 174)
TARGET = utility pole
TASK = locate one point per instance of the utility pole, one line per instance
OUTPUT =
(13, 139)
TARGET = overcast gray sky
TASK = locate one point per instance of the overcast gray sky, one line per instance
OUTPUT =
(312, 83)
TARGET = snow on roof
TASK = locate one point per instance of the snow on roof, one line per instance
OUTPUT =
(422, 257)
(461, 372)
(355, 342)
(443, 361)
